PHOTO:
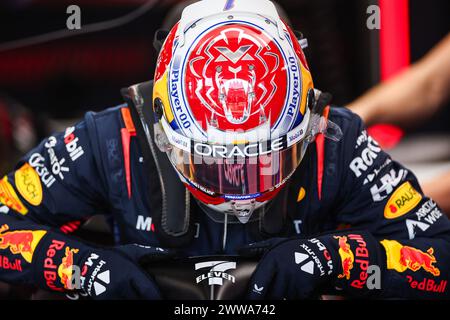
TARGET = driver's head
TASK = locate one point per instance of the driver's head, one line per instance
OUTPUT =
(231, 92)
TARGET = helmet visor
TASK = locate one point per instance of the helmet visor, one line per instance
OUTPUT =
(237, 177)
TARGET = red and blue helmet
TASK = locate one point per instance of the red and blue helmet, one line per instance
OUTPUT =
(232, 85)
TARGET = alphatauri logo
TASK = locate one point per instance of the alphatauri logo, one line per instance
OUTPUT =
(216, 273)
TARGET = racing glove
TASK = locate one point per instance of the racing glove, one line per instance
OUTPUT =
(37, 255)
(303, 268)
(103, 274)
(116, 273)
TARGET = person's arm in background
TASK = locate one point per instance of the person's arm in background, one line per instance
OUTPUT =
(439, 189)
(411, 98)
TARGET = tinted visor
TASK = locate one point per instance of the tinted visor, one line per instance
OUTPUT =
(247, 177)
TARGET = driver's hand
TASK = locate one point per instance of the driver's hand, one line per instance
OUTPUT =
(290, 268)
(116, 273)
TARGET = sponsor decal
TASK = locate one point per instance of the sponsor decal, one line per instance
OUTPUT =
(294, 102)
(307, 267)
(257, 289)
(7, 264)
(231, 151)
(144, 224)
(387, 184)
(347, 257)
(301, 194)
(429, 285)
(28, 183)
(57, 165)
(4, 209)
(325, 253)
(426, 215)
(216, 273)
(360, 257)
(295, 136)
(37, 161)
(371, 176)
(98, 280)
(402, 258)
(297, 226)
(9, 197)
(363, 137)
(310, 259)
(71, 141)
(429, 212)
(242, 197)
(65, 269)
(175, 98)
(360, 164)
(201, 188)
(404, 199)
(50, 267)
(21, 242)
(413, 225)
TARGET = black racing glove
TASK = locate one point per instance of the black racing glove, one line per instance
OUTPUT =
(64, 264)
(302, 268)
(116, 273)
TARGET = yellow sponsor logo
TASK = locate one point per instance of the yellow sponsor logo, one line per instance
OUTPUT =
(301, 194)
(22, 242)
(29, 185)
(347, 257)
(404, 199)
(9, 197)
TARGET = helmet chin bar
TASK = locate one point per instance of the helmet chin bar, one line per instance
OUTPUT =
(243, 215)
(243, 211)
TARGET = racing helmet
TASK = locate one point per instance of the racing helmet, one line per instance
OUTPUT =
(232, 94)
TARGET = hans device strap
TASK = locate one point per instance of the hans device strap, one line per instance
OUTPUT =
(168, 197)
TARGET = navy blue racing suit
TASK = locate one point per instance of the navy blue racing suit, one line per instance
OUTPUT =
(97, 167)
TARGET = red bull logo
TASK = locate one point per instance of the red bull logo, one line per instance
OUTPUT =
(402, 258)
(22, 242)
(347, 257)
(65, 269)
(428, 285)
(7, 264)
(9, 197)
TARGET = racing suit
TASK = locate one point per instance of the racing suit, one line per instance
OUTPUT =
(348, 187)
